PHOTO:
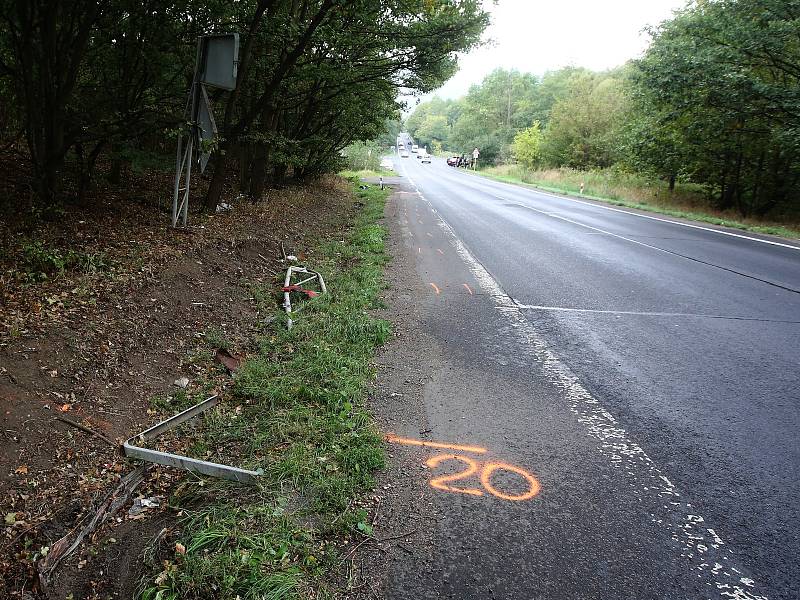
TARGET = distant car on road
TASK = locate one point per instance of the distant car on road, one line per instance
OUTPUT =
(403, 153)
(425, 157)
(414, 148)
(452, 161)
(387, 164)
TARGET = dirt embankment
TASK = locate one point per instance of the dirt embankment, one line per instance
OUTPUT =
(89, 349)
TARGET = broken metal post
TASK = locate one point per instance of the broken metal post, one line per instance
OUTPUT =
(287, 301)
(287, 282)
(194, 465)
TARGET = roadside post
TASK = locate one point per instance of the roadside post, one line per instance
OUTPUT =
(216, 66)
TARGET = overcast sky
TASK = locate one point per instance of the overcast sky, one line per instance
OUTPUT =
(535, 36)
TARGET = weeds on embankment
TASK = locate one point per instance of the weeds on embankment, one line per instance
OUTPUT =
(368, 173)
(634, 191)
(297, 412)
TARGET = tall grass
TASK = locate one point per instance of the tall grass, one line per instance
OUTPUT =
(686, 201)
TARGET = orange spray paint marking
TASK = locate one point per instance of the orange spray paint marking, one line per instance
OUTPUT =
(468, 288)
(439, 251)
(486, 476)
(412, 442)
(435, 288)
(440, 483)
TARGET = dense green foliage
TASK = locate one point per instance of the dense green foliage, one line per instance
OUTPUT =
(363, 156)
(81, 79)
(527, 145)
(714, 101)
(492, 113)
(718, 92)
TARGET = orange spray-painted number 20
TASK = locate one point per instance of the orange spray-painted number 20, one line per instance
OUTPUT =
(441, 482)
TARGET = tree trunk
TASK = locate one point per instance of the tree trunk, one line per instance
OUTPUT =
(258, 174)
(280, 173)
(115, 174)
(245, 158)
(217, 184)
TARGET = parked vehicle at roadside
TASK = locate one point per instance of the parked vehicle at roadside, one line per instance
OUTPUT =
(425, 158)
(452, 161)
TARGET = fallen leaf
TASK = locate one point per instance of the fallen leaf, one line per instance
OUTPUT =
(11, 518)
(21, 470)
(180, 548)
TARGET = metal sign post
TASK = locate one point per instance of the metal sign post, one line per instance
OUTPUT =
(215, 66)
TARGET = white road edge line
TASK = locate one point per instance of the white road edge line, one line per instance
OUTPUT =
(700, 546)
(627, 212)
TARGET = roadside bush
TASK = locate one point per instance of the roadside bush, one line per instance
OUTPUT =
(362, 156)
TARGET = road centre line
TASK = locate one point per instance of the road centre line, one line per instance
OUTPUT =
(641, 313)
(631, 240)
(700, 546)
(662, 220)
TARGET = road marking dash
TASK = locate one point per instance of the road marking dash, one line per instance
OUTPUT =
(412, 442)
(439, 250)
(468, 289)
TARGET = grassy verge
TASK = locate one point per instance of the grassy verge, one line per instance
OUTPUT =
(633, 192)
(296, 411)
(367, 173)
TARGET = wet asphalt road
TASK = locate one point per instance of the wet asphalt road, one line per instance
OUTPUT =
(645, 373)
